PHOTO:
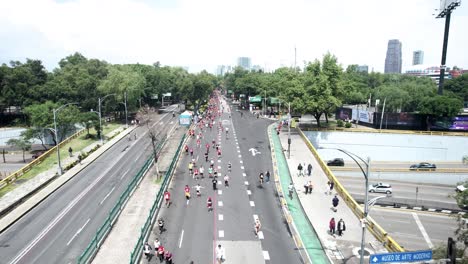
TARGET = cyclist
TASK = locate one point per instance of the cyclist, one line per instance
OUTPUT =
(187, 193)
(226, 181)
(209, 204)
(291, 190)
(260, 177)
(258, 225)
(167, 197)
(198, 189)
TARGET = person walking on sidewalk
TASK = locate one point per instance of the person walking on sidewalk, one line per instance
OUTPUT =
(161, 253)
(332, 184)
(220, 254)
(167, 198)
(309, 169)
(311, 187)
(306, 187)
(299, 169)
(70, 151)
(267, 176)
(341, 227)
(332, 226)
(335, 202)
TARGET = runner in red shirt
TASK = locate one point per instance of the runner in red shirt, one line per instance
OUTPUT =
(167, 198)
(161, 253)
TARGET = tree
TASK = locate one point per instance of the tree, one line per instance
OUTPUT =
(458, 86)
(20, 143)
(89, 120)
(441, 106)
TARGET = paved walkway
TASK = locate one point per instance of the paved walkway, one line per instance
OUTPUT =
(125, 232)
(23, 191)
(317, 206)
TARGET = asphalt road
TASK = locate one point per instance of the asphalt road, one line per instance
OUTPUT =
(193, 232)
(60, 227)
(415, 230)
(376, 165)
(427, 195)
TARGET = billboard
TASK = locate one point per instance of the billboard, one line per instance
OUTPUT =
(447, 5)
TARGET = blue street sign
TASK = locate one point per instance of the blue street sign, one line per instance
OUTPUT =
(401, 257)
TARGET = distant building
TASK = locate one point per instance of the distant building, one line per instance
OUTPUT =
(244, 62)
(432, 72)
(393, 59)
(418, 57)
(221, 70)
(363, 68)
(257, 68)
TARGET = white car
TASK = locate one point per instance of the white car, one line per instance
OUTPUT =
(380, 188)
(460, 188)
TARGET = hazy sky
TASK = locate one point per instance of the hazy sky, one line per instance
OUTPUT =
(201, 34)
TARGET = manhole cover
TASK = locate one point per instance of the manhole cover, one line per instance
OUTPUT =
(357, 252)
(366, 253)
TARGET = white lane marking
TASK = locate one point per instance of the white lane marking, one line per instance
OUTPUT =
(243, 174)
(260, 235)
(220, 217)
(172, 122)
(59, 217)
(181, 238)
(220, 192)
(241, 162)
(219, 167)
(107, 195)
(78, 231)
(161, 123)
(240, 156)
(242, 167)
(246, 183)
(252, 203)
(266, 256)
(238, 151)
(237, 147)
(249, 192)
(137, 159)
(124, 174)
(220, 203)
(221, 233)
(219, 161)
(423, 231)
(255, 217)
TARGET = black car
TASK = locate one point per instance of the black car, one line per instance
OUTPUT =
(423, 166)
(336, 162)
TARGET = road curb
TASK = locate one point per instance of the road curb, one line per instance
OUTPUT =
(42, 192)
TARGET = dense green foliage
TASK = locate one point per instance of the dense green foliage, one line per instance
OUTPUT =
(323, 86)
(29, 87)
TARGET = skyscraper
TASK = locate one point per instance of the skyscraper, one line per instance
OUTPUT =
(244, 62)
(393, 59)
(418, 57)
(363, 68)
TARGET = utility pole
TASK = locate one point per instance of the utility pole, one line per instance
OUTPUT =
(289, 130)
(383, 110)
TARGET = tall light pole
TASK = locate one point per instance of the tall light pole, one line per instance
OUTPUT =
(100, 99)
(125, 105)
(366, 199)
(445, 11)
(289, 130)
(55, 111)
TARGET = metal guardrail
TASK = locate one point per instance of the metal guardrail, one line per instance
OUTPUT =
(14, 176)
(135, 255)
(372, 226)
(389, 131)
(93, 246)
(438, 170)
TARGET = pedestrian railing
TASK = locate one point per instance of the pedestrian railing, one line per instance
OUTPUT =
(372, 226)
(390, 131)
(96, 242)
(135, 255)
(14, 176)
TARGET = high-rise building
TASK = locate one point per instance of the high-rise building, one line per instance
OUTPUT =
(221, 70)
(418, 57)
(393, 58)
(363, 68)
(244, 62)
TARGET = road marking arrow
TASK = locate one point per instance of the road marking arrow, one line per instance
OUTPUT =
(254, 151)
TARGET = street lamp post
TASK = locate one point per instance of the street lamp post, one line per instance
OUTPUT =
(125, 105)
(55, 111)
(289, 130)
(100, 99)
(366, 199)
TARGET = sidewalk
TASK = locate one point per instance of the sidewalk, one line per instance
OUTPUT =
(125, 232)
(317, 206)
(20, 196)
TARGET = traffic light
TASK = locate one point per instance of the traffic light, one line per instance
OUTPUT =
(451, 250)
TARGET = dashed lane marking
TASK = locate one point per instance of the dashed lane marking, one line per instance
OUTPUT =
(249, 192)
(243, 174)
(242, 167)
(219, 167)
(252, 203)
(246, 183)
(220, 203)
(220, 217)
(221, 233)
(241, 162)
(219, 182)
(266, 256)
(181, 238)
(260, 235)
(238, 151)
(78, 231)
(220, 192)
(219, 161)
(240, 156)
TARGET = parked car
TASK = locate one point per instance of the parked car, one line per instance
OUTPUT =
(336, 162)
(460, 188)
(380, 188)
(423, 166)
